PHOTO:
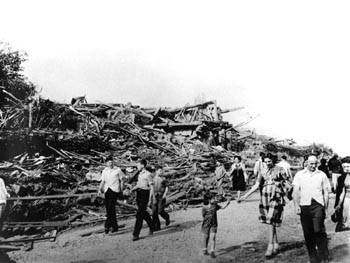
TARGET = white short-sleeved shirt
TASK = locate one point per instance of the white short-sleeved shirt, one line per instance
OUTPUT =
(144, 180)
(112, 178)
(311, 185)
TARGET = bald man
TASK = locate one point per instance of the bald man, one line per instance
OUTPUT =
(311, 189)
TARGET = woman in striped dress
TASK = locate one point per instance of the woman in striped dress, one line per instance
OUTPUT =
(274, 186)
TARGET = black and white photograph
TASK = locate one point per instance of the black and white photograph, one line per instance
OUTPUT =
(174, 131)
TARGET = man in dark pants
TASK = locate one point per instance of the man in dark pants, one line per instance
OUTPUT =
(159, 200)
(311, 189)
(112, 186)
(144, 194)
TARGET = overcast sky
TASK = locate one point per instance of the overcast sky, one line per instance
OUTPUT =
(287, 61)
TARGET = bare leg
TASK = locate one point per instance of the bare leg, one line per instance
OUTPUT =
(205, 243)
(269, 250)
(238, 194)
(212, 241)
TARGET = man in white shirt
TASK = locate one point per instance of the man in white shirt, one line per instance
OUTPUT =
(112, 186)
(286, 166)
(144, 194)
(311, 189)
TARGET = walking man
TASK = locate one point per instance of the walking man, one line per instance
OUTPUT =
(112, 186)
(311, 194)
(144, 194)
(159, 201)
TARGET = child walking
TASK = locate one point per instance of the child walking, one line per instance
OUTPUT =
(210, 222)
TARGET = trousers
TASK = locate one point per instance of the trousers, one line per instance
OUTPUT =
(158, 209)
(110, 202)
(312, 220)
(142, 198)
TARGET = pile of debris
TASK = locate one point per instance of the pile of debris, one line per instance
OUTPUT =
(53, 155)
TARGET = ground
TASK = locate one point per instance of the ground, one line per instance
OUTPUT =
(240, 238)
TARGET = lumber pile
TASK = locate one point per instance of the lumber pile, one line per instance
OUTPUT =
(52, 156)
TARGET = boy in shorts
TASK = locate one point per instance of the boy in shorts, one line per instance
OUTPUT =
(210, 222)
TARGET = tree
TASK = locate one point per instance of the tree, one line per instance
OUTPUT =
(11, 78)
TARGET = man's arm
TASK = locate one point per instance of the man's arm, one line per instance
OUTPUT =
(296, 195)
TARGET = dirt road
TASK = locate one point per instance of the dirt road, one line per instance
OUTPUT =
(240, 238)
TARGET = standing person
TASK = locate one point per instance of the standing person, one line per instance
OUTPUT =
(323, 167)
(112, 186)
(144, 195)
(3, 199)
(259, 165)
(335, 169)
(342, 200)
(273, 184)
(210, 222)
(159, 200)
(239, 176)
(221, 172)
(286, 166)
(311, 195)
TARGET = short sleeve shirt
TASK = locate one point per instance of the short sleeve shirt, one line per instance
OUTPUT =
(312, 185)
(160, 184)
(144, 180)
(112, 178)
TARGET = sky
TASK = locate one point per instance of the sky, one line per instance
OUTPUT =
(287, 62)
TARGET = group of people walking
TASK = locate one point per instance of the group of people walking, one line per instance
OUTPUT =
(309, 189)
(151, 190)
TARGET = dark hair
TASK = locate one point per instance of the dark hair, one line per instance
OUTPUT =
(272, 157)
(109, 158)
(262, 154)
(238, 157)
(158, 166)
(323, 161)
(284, 157)
(345, 159)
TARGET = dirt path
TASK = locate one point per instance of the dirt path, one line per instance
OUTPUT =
(241, 238)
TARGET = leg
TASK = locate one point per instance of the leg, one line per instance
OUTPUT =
(164, 214)
(276, 246)
(140, 196)
(155, 212)
(308, 229)
(143, 209)
(269, 250)
(212, 239)
(113, 216)
(205, 243)
(238, 194)
(108, 210)
(320, 232)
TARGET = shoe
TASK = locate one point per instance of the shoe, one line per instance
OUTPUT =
(276, 248)
(167, 222)
(157, 229)
(135, 238)
(114, 230)
(150, 233)
(205, 253)
(212, 255)
(269, 250)
(106, 230)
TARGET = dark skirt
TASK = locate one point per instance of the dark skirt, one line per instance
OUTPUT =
(238, 180)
